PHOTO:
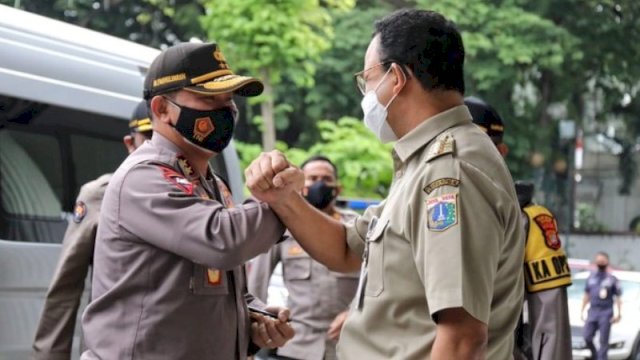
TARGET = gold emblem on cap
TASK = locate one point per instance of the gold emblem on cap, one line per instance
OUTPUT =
(217, 54)
(203, 127)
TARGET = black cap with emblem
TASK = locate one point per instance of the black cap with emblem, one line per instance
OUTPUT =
(199, 68)
(486, 117)
(140, 121)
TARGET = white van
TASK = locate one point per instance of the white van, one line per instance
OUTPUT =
(66, 94)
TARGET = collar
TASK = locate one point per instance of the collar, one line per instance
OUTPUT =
(429, 129)
(161, 142)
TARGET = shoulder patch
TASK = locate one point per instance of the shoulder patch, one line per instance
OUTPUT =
(442, 212)
(178, 180)
(79, 212)
(549, 229)
(441, 182)
(444, 144)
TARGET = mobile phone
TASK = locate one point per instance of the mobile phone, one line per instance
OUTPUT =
(262, 312)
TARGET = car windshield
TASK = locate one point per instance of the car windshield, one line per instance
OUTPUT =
(630, 289)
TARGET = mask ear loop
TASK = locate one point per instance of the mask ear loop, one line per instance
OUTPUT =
(395, 95)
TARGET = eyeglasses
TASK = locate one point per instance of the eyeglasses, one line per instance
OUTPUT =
(361, 82)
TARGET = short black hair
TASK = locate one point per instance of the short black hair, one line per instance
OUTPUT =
(320, 158)
(602, 253)
(426, 43)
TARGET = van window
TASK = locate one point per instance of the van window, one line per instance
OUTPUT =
(93, 157)
(31, 180)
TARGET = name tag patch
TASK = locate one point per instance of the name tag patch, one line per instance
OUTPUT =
(548, 273)
(441, 182)
(442, 212)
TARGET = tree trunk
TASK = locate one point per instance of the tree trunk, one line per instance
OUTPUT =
(267, 109)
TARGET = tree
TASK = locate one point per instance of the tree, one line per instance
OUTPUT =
(154, 23)
(272, 39)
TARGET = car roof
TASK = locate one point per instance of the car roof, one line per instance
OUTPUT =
(620, 274)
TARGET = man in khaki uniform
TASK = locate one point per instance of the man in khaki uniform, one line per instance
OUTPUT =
(546, 332)
(442, 255)
(169, 279)
(54, 335)
(318, 298)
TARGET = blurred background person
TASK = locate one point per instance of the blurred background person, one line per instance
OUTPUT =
(601, 292)
(54, 335)
(318, 298)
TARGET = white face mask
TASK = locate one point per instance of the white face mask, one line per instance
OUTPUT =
(375, 114)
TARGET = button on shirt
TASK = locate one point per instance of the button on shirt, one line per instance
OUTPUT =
(448, 235)
(168, 278)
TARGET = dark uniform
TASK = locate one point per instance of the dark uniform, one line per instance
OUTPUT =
(54, 335)
(546, 332)
(601, 287)
(316, 295)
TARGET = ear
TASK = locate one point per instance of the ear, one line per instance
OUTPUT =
(160, 109)
(400, 78)
(338, 190)
(503, 149)
(127, 140)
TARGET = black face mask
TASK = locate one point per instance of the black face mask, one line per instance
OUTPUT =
(602, 267)
(320, 194)
(209, 129)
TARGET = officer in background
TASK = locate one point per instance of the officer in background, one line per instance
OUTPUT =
(169, 279)
(318, 298)
(547, 274)
(600, 292)
(441, 256)
(54, 334)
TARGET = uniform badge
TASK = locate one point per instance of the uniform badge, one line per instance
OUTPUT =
(442, 212)
(79, 212)
(441, 182)
(548, 226)
(185, 166)
(178, 180)
(442, 146)
(226, 194)
(202, 128)
(214, 277)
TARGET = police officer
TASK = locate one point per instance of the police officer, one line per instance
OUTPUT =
(168, 279)
(318, 298)
(601, 290)
(547, 333)
(54, 335)
(442, 255)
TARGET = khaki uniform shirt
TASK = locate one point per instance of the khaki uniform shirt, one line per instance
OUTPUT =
(316, 295)
(54, 335)
(448, 235)
(168, 278)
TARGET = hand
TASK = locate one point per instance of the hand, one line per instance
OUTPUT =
(271, 177)
(336, 326)
(271, 333)
(615, 319)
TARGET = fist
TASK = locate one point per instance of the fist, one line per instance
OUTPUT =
(271, 178)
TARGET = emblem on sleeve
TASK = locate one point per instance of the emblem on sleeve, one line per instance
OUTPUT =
(178, 180)
(548, 226)
(442, 212)
(79, 212)
(441, 182)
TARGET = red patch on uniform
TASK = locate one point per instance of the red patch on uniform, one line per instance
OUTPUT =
(214, 277)
(178, 180)
(548, 226)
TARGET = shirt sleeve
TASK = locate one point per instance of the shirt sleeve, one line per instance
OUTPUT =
(166, 214)
(457, 232)
(54, 335)
(617, 290)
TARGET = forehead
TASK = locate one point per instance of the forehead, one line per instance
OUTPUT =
(318, 168)
(372, 56)
(601, 257)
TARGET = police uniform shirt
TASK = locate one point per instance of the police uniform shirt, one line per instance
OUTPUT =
(168, 277)
(54, 335)
(316, 294)
(448, 235)
(601, 287)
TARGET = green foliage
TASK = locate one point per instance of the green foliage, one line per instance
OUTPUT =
(587, 219)
(364, 164)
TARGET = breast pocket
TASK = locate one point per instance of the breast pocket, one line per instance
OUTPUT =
(297, 268)
(375, 263)
(211, 282)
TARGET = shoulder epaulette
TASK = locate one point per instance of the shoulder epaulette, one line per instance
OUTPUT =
(444, 144)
